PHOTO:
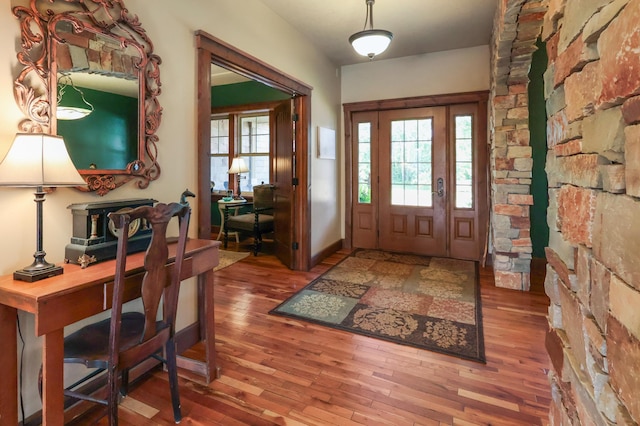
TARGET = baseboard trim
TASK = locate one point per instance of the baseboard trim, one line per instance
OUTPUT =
(326, 252)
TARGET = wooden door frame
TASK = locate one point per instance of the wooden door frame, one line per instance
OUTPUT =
(212, 50)
(479, 97)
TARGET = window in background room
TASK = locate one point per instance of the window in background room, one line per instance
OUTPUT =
(254, 148)
(220, 153)
(253, 144)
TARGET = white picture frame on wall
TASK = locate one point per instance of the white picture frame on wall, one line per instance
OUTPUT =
(326, 143)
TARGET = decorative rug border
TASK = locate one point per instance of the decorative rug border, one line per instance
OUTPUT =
(481, 358)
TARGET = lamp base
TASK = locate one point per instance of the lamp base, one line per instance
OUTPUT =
(36, 275)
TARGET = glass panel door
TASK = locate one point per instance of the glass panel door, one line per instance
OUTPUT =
(412, 151)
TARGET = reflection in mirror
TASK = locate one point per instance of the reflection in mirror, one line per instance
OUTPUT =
(107, 138)
(72, 105)
(98, 51)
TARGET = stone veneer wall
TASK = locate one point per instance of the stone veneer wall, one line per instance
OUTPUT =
(593, 166)
(592, 87)
(516, 28)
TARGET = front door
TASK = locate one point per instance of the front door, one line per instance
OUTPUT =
(421, 181)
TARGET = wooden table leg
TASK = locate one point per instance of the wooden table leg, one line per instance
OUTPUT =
(207, 324)
(52, 378)
(8, 366)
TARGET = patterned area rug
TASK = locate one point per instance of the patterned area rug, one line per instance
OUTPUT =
(228, 258)
(425, 302)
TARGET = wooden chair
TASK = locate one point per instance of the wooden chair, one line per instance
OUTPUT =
(259, 221)
(119, 343)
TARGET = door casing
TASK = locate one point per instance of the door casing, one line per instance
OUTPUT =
(212, 50)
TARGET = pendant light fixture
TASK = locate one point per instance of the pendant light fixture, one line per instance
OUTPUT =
(72, 105)
(370, 42)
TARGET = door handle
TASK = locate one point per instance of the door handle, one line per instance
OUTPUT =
(439, 187)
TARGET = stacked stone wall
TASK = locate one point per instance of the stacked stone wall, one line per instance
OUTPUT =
(516, 28)
(592, 92)
(592, 87)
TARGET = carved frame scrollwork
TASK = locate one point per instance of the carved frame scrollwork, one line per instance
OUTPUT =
(35, 86)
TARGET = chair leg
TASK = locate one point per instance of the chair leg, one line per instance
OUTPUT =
(40, 382)
(257, 243)
(172, 370)
(112, 396)
(124, 383)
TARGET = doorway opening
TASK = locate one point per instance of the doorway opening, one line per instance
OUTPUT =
(291, 176)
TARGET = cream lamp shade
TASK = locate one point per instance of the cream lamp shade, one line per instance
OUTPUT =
(238, 166)
(36, 159)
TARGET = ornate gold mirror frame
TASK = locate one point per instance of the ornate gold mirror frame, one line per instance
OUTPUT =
(35, 88)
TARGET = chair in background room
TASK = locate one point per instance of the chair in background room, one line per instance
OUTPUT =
(257, 222)
(116, 344)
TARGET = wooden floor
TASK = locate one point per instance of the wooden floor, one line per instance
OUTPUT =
(278, 371)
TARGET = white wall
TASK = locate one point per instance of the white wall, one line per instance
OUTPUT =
(452, 71)
(170, 25)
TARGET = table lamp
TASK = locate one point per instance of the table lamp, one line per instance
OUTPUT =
(238, 166)
(38, 160)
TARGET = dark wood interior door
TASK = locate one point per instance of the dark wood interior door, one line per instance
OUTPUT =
(283, 167)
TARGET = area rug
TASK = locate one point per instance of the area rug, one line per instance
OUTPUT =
(426, 302)
(228, 258)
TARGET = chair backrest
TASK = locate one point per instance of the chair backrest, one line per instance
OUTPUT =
(156, 280)
(263, 196)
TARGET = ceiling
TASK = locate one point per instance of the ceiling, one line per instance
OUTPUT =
(418, 26)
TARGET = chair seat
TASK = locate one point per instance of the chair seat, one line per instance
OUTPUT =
(90, 344)
(246, 222)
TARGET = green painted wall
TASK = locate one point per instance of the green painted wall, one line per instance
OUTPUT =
(244, 93)
(108, 136)
(538, 129)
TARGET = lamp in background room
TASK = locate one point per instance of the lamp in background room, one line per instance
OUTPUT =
(238, 166)
(71, 103)
(370, 42)
(38, 160)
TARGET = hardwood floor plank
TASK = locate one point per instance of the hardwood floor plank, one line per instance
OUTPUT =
(282, 371)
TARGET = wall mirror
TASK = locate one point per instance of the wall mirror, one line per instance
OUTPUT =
(94, 56)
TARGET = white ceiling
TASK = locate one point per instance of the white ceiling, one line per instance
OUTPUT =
(418, 26)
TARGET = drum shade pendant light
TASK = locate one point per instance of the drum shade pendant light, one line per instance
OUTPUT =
(370, 42)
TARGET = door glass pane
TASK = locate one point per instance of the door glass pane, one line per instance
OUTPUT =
(464, 161)
(364, 163)
(411, 161)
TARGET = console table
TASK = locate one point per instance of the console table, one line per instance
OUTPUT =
(80, 293)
